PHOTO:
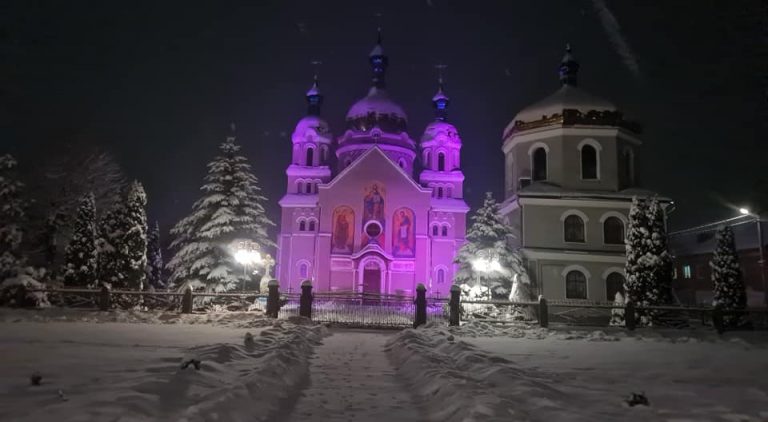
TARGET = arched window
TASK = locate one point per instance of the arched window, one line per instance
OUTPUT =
(427, 159)
(303, 270)
(539, 164)
(444, 231)
(440, 192)
(440, 276)
(441, 162)
(434, 230)
(311, 225)
(300, 187)
(613, 231)
(302, 225)
(575, 285)
(588, 162)
(310, 156)
(324, 154)
(574, 229)
(309, 187)
(449, 192)
(614, 283)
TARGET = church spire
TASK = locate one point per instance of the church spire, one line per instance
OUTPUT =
(314, 98)
(569, 68)
(440, 101)
(379, 62)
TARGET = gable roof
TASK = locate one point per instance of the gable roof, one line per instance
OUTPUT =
(373, 150)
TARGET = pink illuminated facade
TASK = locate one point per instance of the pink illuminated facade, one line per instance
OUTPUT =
(368, 223)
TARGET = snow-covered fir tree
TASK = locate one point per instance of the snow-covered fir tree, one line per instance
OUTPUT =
(617, 314)
(729, 290)
(123, 241)
(230, 209)
(11, 216)
(81, 253)
(487, 262)
(154, 258)
(649, 263)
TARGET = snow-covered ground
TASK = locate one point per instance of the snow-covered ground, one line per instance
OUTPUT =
(126, 366)
(132, 372)
(540, 375)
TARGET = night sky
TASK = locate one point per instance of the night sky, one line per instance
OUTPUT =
(157, 84)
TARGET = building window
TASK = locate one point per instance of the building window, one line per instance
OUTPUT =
(628, 167)
(434, 230)
(427, 161)
(441, 162)
(444, 231)
(440, 276)
(539, 164)
(303, 270)
(300, 187)
(574, 229)
(311, 225)
(324, 154)
(614, 283)
(449, 192)
(440, 192)
(687, 273)
(588, 162)
(575, 285)
(613, 231)
(309, 187)
(302, 225)
(310, 156)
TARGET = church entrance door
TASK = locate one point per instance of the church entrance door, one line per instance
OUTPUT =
(372, 278)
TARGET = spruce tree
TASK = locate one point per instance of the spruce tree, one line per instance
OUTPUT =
(11, 216)
(109, 243)
(635, 245)
(135, 236)
(659, 259)
(488, 239)
(230, 209)
(154, 258)
(729, 291)
(81, 254)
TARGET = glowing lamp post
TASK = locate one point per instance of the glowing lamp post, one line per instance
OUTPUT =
(247, 254)
(485, 265)
(761, 259)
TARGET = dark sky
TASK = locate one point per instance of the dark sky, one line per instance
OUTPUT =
(157, 83)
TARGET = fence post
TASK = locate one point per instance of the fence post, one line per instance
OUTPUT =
(421, 306)
(305, 303)
(717, 319)
(630, 316)
(21, 296)
(454, 318)
(186, 301)
(543, 312)
(273, 299)
(105, 298)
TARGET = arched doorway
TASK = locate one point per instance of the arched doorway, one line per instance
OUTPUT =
(372, 271)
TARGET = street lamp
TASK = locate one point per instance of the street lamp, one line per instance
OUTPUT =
(761, 259)
(484, 264)
(247, 254)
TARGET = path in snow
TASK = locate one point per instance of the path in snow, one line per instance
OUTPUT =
(352, 379)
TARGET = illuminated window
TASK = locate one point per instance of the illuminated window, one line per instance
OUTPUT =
(687, 273)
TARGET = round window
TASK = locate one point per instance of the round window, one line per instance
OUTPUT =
(373, 229)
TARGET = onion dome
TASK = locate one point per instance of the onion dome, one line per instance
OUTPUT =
(312, 123)
(377, 109)
(568, 105)
(440, 102)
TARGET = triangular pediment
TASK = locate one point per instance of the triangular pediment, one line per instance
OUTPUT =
(374, 165)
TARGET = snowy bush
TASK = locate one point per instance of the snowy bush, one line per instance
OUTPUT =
(11, 216)
(617, 314)
(9, 291)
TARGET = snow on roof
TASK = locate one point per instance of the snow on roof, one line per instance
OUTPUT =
(377, 101)
(704, 241)
(315, 123)
(567, 97)
(440, 95)
(298, 200)
(378, 50)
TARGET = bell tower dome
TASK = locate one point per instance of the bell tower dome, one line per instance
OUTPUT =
(311, 148)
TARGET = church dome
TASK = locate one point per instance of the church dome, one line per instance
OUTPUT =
(315, 124)
(377, 109)
(568, 97)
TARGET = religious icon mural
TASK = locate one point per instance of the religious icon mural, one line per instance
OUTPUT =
(343, 232)
(373, 214)
(403, 233)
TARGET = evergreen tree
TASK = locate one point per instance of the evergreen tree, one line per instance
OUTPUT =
(11, 215)
(658, 256)
(154, 258)
(617, 314)
(109, 243)
(488, 240)
(230, 209)
(81, 253)
(729, 291)
(637, 281)
(135, 238)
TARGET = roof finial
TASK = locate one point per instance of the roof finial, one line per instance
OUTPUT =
(440, 101)
(569, 68)
(231, 135)
(314, 97)
(378, 61)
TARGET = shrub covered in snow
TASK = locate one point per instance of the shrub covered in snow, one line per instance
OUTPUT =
(9, 290)
(11, 215)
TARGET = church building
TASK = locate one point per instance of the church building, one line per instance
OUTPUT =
(369, 223)
(569, 183)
